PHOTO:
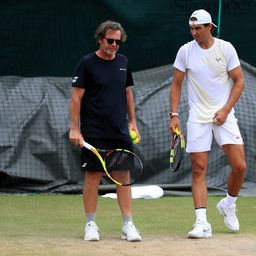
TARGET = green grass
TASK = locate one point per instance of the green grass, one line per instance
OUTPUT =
(55, 216)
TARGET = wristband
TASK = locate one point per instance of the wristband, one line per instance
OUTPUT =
(172, 114)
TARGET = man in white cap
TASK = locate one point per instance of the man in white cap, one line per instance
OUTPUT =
(214, 83)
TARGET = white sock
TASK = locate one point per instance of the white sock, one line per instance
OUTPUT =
(201, 215)
(230, 200)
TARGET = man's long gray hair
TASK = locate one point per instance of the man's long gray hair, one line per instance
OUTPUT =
(109, 25)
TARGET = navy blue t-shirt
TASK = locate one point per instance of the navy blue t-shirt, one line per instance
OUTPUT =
(103, 113)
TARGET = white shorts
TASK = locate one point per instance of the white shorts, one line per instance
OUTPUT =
(200, 135)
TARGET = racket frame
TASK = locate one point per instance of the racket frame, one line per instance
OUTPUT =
(103, 163)
(176, 135)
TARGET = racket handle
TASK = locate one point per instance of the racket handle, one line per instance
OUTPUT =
(87, 145)
(177, 131)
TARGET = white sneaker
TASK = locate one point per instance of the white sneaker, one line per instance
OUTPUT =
(91, 232)
(130, 232)
(229, 214)
(200, 230)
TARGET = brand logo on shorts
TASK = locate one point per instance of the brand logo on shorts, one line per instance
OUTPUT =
(122, 69)
(218, 59)
(238, 137)
(74, 79)
(84, 164)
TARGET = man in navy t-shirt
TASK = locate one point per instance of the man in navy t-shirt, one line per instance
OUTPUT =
(101, 100)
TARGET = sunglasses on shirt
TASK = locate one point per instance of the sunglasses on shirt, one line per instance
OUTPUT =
(111, 41)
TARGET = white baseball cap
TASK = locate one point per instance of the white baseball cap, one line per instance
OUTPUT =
(201, 17)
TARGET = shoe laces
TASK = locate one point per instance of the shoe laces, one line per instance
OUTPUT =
(231, 211)
(91, 225)
(131, 227)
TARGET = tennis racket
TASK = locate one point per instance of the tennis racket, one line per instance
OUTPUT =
(176, 151)
(121, 166)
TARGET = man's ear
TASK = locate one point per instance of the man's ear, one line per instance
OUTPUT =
(99, 41)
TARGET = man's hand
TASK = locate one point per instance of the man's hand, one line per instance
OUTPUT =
(76, 137)
(220, 116)
(174, 123)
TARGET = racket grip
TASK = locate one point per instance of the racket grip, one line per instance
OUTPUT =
(177, 131)
(87, 145)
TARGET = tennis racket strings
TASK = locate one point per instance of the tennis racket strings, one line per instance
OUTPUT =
(176, 151)
(124, 166)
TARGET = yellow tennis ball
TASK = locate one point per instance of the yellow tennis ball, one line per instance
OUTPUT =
(136, 140)
(133, 135)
